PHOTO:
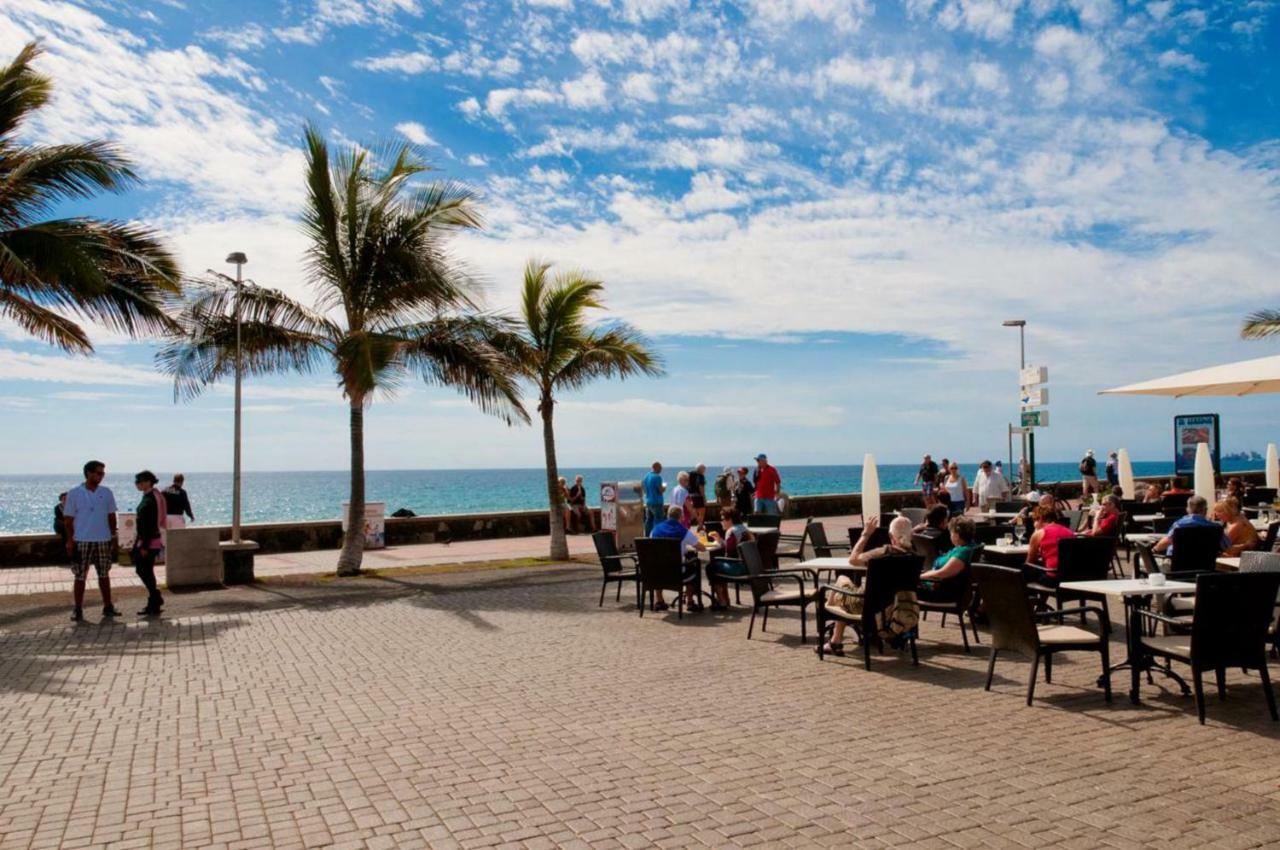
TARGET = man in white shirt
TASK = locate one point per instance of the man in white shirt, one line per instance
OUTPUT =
(90, 518)
(990, 486)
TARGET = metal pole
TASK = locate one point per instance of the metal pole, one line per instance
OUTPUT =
(1022, 361)
(235, 475)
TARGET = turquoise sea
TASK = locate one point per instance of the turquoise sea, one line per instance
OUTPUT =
(26, 501)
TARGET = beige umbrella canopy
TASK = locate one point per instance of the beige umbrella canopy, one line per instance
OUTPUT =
(1246, 377)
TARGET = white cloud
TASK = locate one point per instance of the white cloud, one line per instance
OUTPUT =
(415, 133)
(897, 80)
(498, 100)
(476, 161)
(717, 151)
(649, 410)
(553, 177)
(709, 192)
(845, 16)
(987, 76)
(991, 19)
(410, 62)
(585, 92)
(552, 4)
(169, 109)
(1178, 60)
(647, 10)
(56, 369)
(641, 86)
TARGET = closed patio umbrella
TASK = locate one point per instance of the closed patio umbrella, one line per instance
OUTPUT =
(1246, 377)
(1273, 467)
(1126, 474)
(1204, 473)
(870, 487)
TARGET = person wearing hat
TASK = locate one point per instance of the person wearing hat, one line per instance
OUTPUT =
(768, 483)
(1113, 469)
(152, 517)
(1088, 475)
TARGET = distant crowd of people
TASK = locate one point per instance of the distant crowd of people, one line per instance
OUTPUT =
(86, 520)
(943, 484)
(758, 491)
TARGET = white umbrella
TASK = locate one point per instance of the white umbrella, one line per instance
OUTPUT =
(870, 487)
(1273, 467)
(1204, 473)
(1126, 474)
(1246, 377)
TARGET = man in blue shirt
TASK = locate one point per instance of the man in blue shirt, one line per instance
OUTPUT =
(1197, 510)
(653, 503)
(90, 530)
(674, 528)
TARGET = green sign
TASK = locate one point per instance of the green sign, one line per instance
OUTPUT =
(1035, 419)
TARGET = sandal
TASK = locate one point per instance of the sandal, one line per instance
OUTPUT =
(830, 648)
(661, 606)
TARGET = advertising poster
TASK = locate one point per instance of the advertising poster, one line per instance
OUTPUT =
(1188, 431)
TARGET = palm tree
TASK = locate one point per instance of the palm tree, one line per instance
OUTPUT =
(556, 349)
(391, 302)
(116, 274)
(1261, 324)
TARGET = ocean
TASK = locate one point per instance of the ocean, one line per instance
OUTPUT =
(27, 501)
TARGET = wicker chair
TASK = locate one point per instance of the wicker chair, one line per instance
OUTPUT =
(1016, 627)
(885, 578)
(764, 595)
(662, 567)
(1229, 624)
(618, 568)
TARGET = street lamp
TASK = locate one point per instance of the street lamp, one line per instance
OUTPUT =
(1021, 325)
(239, 259)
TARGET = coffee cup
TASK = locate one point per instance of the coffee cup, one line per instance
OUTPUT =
(1157, 579)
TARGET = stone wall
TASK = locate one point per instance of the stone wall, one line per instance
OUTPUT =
(42, 549)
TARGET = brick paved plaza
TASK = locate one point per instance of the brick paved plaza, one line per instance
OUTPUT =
(503, 708)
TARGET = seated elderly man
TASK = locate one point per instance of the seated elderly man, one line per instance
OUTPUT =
(899, 544)
(673, 528)
(1197, 510)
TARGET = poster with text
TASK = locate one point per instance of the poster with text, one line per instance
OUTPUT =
(1189, 431)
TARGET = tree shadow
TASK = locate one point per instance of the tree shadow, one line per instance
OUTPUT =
(45, 662)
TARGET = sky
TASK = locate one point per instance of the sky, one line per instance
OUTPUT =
(819, 211)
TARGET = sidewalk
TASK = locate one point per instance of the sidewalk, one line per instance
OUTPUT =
(25, 580)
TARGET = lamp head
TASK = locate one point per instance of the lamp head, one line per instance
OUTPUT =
(1014, 323)
(238, 258)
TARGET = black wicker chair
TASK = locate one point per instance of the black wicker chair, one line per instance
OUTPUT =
(1016, 627)
(662, 567)
(764, 595)
(886, 577)
(618, 568)
(1229, 624)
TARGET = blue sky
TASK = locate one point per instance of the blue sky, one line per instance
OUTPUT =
(820, 210)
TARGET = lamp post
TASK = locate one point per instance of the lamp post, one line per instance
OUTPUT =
(239, 260)
(1021, 325)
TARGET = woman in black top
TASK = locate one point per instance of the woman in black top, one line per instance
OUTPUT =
(148, 545)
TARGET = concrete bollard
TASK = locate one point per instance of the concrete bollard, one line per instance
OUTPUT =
(193, 558)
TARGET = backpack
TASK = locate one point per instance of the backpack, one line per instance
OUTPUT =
(722, 487)
(1086, 468)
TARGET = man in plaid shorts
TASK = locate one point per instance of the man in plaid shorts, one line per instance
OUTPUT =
(90, 517)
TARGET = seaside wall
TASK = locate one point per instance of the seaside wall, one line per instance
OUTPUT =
(20, 550)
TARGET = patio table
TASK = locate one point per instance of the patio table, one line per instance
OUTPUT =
(1229, 564)
(1134, 592)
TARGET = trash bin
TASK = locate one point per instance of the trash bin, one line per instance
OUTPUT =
(375, 523)
(622, 512)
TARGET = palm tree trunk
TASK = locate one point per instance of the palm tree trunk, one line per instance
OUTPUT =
(559, 545)
(353, 541)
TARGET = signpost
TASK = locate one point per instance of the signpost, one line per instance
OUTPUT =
(1032, 395)
(1035, 419)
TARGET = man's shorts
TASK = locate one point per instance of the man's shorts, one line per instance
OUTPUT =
(97, 553)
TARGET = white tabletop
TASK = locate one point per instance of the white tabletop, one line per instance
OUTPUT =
(1145, 517)
(762, 529)
(1006, 548)
(1259, 525)
(1144, 537)
(998, 514)
(825, 564)
(1229, 563)
(1129, 587)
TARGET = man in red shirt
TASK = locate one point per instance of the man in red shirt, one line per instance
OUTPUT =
(768, 483)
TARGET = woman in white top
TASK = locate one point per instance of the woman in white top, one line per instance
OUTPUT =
(680, 498)
(957, 488)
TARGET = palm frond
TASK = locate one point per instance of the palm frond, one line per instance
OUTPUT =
(44, 324)
(34, 179)
(619, 351)
(277, 334)
(1261, 324)
(460, 352)
(22, 90)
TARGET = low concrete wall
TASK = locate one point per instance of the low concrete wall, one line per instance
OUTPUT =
(20, 550)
